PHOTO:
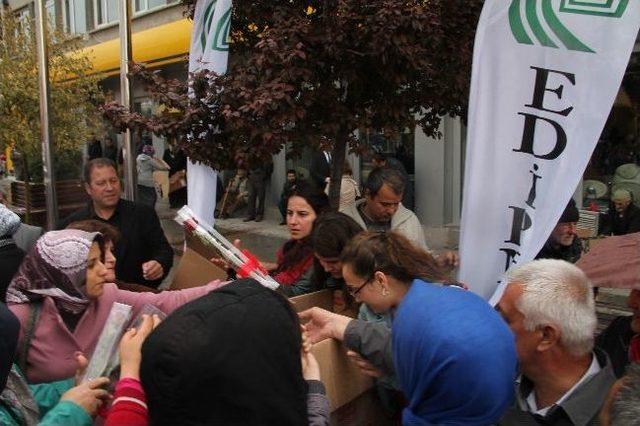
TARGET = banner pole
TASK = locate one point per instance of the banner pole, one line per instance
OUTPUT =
(48, 173)
(129, 153)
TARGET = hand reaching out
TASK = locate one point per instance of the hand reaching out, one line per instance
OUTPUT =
(152, 270)
(321, 324)
(131, 345)
(221, 262)
(89, 395)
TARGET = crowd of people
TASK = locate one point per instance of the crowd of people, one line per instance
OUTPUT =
(234, 352)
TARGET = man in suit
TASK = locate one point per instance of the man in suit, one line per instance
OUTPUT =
(320, 168)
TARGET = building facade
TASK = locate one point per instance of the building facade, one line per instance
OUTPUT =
(160, 39)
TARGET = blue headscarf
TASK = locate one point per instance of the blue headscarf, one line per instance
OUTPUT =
(454, 356)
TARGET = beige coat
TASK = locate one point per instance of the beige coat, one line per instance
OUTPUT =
(404, 222)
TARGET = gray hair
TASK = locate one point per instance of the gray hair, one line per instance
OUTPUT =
(559, 293)
(625, 410)
(382, 175)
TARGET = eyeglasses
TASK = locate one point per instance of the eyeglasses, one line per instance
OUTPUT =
(357, 290)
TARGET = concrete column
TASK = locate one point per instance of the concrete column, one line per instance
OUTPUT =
(429, 178)
(453, 170)
(278, 177)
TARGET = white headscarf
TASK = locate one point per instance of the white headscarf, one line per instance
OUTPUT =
(9, 222)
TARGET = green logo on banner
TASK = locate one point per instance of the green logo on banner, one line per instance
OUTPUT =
(221, 30)
(221, 33)
(604, 8)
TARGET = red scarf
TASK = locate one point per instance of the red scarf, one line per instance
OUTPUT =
(292, 274)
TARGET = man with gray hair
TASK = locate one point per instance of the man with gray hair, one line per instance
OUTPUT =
(549, 306)
(624, 217)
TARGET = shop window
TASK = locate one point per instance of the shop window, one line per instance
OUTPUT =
(616, 158)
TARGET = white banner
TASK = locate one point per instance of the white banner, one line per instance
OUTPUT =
(545, 75)
(209, 50)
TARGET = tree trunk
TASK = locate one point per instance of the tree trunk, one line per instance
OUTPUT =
(338, 157)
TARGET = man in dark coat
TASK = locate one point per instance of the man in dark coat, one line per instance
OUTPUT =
(320, 168)
(624, 218)
(563, 243)
(143, 252)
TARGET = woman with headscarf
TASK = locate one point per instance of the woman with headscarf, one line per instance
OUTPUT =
(111, 236)
(453, 355)
(10, 254)
(232, 357)
(62, 297)
(146, 164)
(57, 403)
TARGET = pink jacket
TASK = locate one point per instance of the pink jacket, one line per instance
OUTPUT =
(51, 354)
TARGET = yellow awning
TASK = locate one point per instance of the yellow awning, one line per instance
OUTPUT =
(156, 46)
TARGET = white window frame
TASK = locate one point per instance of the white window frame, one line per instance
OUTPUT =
(104, 5)
(50, 6)
(69, 16)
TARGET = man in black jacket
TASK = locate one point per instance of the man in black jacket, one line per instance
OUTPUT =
(624, 218)
(563, 243)
(144, 254)
(320, 167)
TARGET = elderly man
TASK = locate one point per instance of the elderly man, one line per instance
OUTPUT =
(549, 306)
(563, 243)
(624, 218)
(144, 254)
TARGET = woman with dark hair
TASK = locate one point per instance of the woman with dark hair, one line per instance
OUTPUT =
(331, 233)
(454, 357)
(62, 297)
(295, 259)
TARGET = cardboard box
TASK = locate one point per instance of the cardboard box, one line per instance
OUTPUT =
(341, 377)
(365, 410)
(195, 270)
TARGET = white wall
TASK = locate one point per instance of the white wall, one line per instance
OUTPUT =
(438, 174)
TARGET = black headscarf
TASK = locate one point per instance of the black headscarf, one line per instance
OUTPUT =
(231, 357)
(9, 329)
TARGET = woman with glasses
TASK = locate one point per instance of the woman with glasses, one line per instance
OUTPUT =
(454, 357)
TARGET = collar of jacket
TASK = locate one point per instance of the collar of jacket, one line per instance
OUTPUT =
(585, 402)
(402, 214)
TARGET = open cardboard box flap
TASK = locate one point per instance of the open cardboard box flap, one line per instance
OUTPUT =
(194, 271)
(343, 380)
